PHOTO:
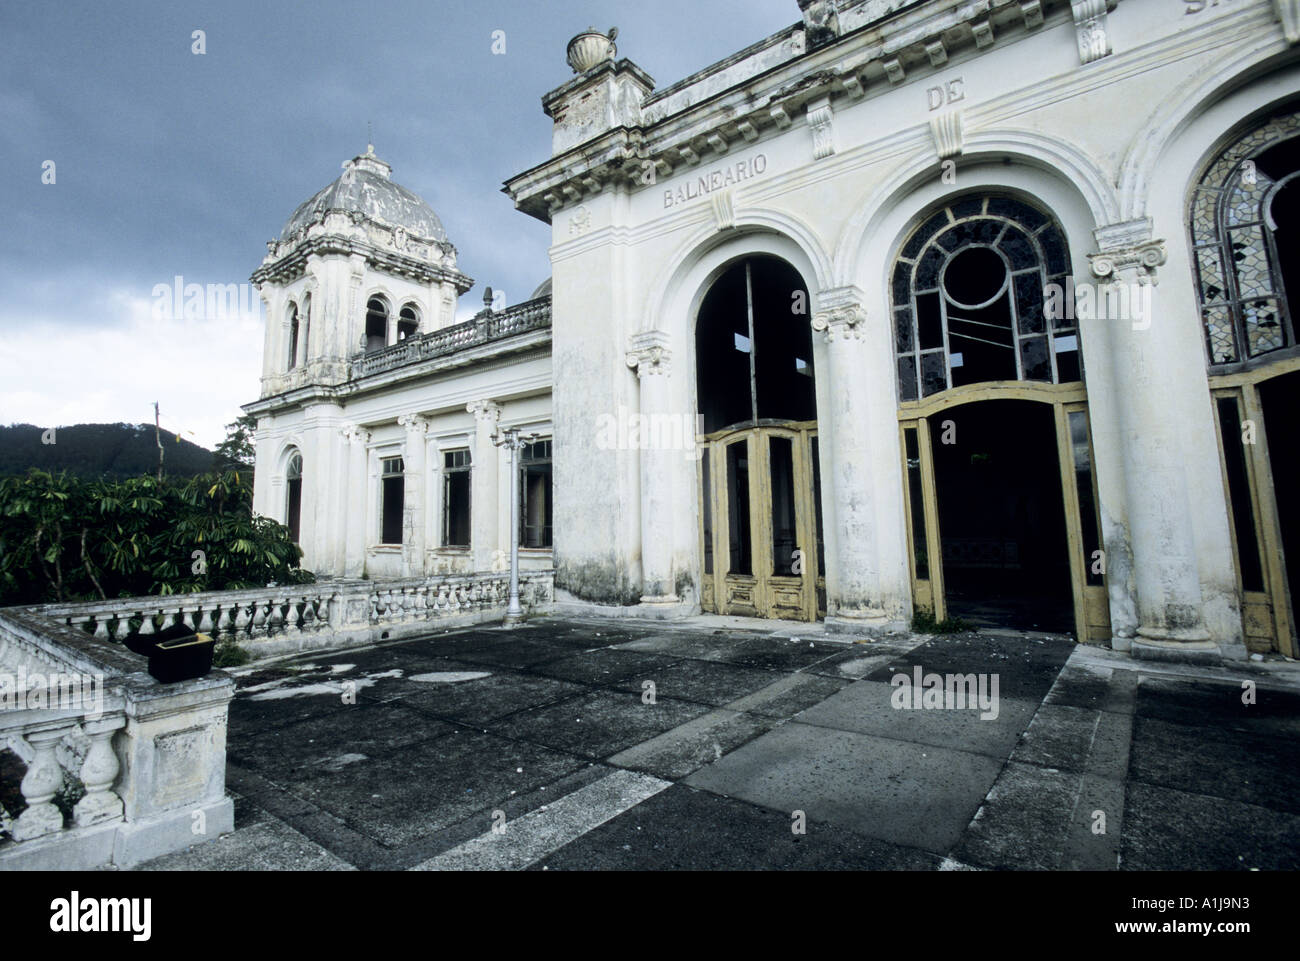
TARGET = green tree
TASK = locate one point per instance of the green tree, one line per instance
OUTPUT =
(236, 452)
(66, 539)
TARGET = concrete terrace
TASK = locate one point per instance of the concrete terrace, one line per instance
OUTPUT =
(546, 730)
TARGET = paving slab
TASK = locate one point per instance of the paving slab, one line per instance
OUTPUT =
(705, 682)
(398, 798)
(604, 667)
(867, 707)
(1026, 667)
(268, 846)
(481, 702)
(598, 723)
(908, 794)
(788, 695)
(688, 747)
(682, 829)
(335, 736)
(1245, 766)
(1168, 830)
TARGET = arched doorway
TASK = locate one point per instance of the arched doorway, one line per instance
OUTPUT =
(1002, 516)
(761, 525)
(293, 497)
(1243, 216)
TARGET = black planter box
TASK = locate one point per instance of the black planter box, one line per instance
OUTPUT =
(182, 658)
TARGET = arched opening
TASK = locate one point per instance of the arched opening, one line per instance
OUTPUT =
(1244, 221)
(758, 471)
(293, 497)
(293, 337)
(753, 346)
(1002, 507)
(376, 324)
(408, 322)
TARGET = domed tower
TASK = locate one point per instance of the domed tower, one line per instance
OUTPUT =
(361, 265)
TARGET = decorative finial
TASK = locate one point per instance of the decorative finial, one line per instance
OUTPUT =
(591, 49)
(487, 298)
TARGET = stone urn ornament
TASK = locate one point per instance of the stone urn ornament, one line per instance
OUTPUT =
(591, 48)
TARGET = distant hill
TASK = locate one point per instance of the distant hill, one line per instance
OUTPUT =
(99, 450)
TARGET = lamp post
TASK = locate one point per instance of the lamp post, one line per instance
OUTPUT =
(514, 439)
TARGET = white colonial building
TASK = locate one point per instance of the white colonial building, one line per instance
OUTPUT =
(979, 308)
(378, 410)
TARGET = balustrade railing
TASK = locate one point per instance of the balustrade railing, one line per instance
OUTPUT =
(484, 329)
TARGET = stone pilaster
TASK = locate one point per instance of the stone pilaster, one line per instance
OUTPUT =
(1148, 412)
(413, 502)
(649, 356)
(485, 528)
(357, 438)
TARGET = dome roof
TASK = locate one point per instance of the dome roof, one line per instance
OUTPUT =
(364, 187)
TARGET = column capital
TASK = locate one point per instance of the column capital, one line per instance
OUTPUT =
(1144, 257)
(484, 410)
(354, 434)
(840, 321)
(413, 422)
(648, 353)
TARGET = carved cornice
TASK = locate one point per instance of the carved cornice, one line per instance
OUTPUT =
(648, 353)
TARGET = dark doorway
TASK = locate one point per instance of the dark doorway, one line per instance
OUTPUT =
(1002, 516)
(1280, 398)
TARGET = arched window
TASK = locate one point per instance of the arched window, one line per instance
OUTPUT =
(376, 324)
(306, 328)
(293, 336)
(408, 322)
(968, 293)
(1244, 216)
(753, 346)
(293, 496)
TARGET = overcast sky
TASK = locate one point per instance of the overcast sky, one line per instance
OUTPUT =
(170, 163)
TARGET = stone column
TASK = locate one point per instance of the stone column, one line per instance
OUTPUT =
(357, 438)
(413, 461)
(863, 488)
(1149, 410)
(485, 531)
(649, 357)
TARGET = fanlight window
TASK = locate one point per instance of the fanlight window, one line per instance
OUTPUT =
(1242, 225)
(968, 299)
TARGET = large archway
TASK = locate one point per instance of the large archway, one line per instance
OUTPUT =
(761, 533)
(998, 460)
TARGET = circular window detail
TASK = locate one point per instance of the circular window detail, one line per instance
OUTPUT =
(970, 291)
(975, 277)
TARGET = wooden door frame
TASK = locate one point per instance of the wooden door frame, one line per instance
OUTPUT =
(1244, 387)
(1063, 399)
(757, 437)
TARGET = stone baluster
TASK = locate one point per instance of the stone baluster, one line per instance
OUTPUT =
(98, 773)
(42, 781)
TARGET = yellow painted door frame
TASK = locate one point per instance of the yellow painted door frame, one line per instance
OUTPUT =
(1064, 400)
(1266, 612)
(762, 592)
